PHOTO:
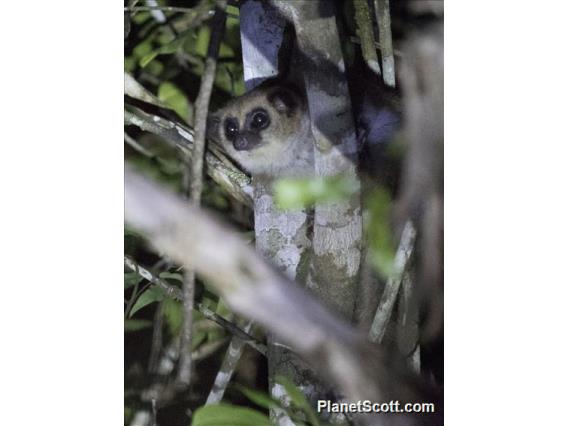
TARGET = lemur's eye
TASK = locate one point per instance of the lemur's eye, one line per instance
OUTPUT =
(231, 129)
(260, 120)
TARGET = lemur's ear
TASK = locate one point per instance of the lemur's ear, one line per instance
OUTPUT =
(213, 122)
(283, 100)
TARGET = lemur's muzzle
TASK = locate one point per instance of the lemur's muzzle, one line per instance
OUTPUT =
(240, 143)
(246, 141)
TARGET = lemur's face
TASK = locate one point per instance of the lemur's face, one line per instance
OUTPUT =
(259, 128)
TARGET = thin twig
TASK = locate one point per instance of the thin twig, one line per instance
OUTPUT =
(131, 5)
(156, 13)
(154, 413)
(188, 290)
(136, 146)
(207, 349)
(170, 290)
(132, 299)
(161, 8)
(156, 347)
(161, 391)
(172, 9)
(194, 176)
(176, 294)
(135, 90)
(408, 324)
(233, 329)
(365, 31)
(382, 11)
(193, 179)
(227, 369)
(357, 40)
(390, 293)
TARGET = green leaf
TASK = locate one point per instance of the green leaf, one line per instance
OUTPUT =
(155, 68)
(141, 17)
(264, 400)
(202, 42)
(142, 49)
(382, 247)
(172, 96)
(170, 166)
(148, 58)
(299, 193)
(129, 64)
(226, 51)
(132, 232)
(136, 324)
(173, 314)
(172, 276)
(151, 295)
(299, 399)
(131, 279)
(259, 398)
(233, 10)
(296, 395)
(228, 415)
(166, 49)
(197, 338)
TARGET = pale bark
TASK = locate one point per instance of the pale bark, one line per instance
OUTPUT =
(366, 35)
(337, 230)
(382, 10)
(391, 291)
(227, 368)
(281, 237)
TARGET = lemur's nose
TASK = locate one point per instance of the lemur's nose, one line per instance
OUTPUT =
(240, 143)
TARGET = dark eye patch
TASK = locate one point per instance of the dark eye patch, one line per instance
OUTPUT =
(231, 128)
(259, 119)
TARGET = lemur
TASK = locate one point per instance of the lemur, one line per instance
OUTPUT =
(267, 130)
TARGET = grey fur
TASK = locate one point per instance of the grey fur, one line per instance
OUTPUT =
(286, 147)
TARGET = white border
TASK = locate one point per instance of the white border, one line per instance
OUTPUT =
(62, 195)
(61, 175)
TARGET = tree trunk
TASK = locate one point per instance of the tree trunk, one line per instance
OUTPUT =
(334, 254)
(337, 231)
(281, 237)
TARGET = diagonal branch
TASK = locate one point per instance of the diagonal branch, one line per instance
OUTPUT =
(227, 369)
(390, 293)
(253, 288)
